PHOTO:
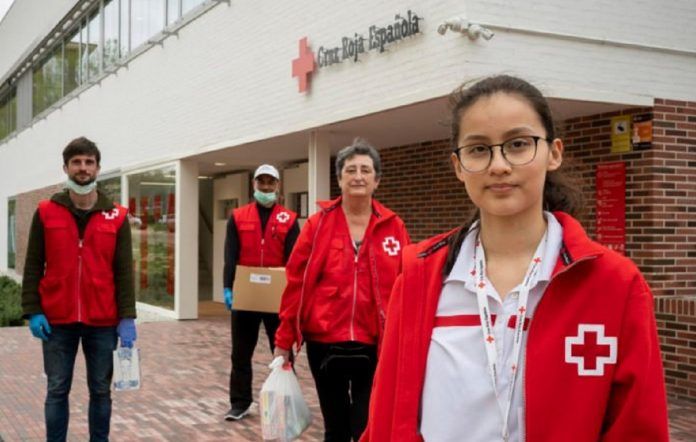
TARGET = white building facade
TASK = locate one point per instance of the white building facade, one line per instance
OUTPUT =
(184, 98)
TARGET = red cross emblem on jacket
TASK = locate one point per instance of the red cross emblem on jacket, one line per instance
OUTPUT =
(391, 245)
(283, 217)
(110, 215)
(591, 350)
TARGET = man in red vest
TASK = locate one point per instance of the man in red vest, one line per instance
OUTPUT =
(259, 234)
(78, 287)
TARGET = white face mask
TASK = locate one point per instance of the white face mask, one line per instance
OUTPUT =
(80, 190)
(266, 199)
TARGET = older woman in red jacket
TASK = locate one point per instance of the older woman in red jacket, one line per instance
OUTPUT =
(340, 275)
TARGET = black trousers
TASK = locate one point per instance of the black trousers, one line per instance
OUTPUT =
(245, 334)
(343, 375)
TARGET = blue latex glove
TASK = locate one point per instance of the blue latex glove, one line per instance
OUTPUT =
(228, 298)
(126, 331)
(38, 324)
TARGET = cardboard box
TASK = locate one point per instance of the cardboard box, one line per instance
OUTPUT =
(258, 289)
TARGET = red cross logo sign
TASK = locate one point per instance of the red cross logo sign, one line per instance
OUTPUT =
(283, 217)
(303, 65)
(391, 246)
(111, 214)
(591, 350)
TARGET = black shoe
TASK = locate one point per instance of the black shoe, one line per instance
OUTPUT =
(237, 412)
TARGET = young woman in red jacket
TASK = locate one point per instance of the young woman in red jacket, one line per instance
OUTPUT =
(339, 277)
(516, 326)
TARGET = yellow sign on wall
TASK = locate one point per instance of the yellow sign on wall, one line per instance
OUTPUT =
(621, 134)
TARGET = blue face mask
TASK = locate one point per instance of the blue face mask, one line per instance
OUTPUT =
(81, 190)
(265, 199)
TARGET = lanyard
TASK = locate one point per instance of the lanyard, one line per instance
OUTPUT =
(530, 280)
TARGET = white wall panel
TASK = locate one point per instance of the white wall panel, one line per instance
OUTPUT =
(225, 78)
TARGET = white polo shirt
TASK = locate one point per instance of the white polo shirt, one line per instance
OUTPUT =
(459, 402)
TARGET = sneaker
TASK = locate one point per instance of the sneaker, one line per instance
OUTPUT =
(237, 412)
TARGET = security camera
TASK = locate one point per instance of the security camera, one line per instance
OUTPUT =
(462, 25)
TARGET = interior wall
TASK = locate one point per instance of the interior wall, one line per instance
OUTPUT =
(230, 187)
(205, 240)
(295, 180)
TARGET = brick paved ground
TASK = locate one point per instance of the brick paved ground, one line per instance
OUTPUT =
(184, 394)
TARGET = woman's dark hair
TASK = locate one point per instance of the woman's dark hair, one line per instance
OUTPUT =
(81, 146)
(358, 147)
(559, 191)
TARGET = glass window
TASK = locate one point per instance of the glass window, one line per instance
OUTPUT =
(12, 111)
(172, 11)
(11, 238)
(84, 46)
(8, 113)
(151, 197)
(47, 86)
(4, 117)
(111, 43)
(125, 34)
(93, 33)
(111, 187)
(298, 203)
(4, 126)
(187, 5)
(147, 19)
(71, 55)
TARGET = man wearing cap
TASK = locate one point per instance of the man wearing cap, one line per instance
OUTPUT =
(259, 234)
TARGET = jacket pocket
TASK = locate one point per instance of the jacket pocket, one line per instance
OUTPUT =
(336, 260)
(56, 297)
(105, 239)
(57, 235)
(100, 298)
(245, 227)
(322, 310)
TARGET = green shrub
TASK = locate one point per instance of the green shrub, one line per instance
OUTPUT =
(10, 302)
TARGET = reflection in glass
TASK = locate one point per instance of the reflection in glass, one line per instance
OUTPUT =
(187, 5)
(83, 51)
(47, 85)
(11, 241)
(111, 44)
(151, 199)
(93, 56)
(147, 19)
(4, 119)
(125, 34)
(8, 113)
(111, 187)
(12, 110)
(71, 72)
(172, 11)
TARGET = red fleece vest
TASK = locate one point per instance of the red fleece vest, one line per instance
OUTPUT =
(78, 284)
(262, 249)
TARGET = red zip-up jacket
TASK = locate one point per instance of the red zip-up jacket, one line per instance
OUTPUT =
(78, 283)
(590, 285)
(267, 248)
(332, 295)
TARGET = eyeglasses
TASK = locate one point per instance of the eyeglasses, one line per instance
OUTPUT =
(516, 151)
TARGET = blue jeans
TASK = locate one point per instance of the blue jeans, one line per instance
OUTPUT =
(98, 344)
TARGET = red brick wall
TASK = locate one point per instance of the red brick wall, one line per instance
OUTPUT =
(674, 203)
(660, 220)
(418, 183)
(25, 208)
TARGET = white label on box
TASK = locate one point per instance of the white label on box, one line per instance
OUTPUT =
(259, 279)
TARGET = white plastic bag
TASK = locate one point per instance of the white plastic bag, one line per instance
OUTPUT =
(284, 412)
(126, 369)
